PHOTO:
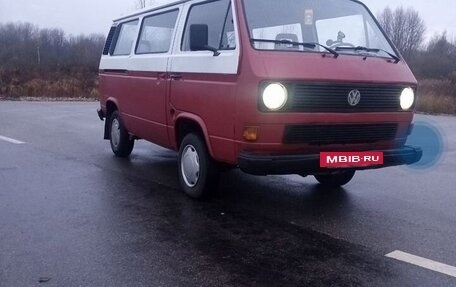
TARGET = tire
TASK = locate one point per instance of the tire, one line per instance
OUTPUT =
(121, 143)
(198, 172)
(335, 179)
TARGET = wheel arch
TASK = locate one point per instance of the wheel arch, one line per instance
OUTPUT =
(111, 106)
(186, 123)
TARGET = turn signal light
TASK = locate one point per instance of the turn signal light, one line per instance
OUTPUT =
(251, 134)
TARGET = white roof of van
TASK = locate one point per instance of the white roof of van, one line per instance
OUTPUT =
(151, 8)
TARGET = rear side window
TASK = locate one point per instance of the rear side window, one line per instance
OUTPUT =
(156, 33)
(125, 38)
(109, 39)
(218, 17)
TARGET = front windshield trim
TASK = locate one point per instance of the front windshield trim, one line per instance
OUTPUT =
(374, 19)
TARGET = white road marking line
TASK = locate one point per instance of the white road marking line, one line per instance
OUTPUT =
(10, 140)
(423, 262)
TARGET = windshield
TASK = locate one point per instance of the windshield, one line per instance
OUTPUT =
(335, 24)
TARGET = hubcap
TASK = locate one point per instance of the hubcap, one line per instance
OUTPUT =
(115, 133)
(190, 167)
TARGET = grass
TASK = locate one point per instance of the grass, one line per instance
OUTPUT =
(50, 89)
(436, 96)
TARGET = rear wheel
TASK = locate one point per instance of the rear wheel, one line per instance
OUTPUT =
(198, 173)
(121, 143)
(336, 178)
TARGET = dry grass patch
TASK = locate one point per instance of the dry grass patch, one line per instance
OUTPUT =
(436, 96)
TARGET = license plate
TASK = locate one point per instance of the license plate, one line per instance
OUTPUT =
(350, 159)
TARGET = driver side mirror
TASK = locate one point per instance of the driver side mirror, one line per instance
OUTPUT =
(199, 39)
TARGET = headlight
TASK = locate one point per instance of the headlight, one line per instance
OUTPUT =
(275, 96)
(407, 98)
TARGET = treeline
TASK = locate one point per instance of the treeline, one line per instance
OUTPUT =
(437, 60)
(435, 68)
(433, 63)
(38, 62)
(406, 28)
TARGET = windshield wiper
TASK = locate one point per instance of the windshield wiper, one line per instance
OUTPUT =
(370, 50)
(310, 45)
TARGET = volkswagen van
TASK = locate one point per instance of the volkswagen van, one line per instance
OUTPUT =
(307, 87)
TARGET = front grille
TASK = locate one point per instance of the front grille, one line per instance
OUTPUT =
(334, 98)
(339, 134)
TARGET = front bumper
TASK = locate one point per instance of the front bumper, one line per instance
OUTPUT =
(310, 163)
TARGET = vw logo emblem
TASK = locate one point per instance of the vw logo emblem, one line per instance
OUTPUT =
(354, 97)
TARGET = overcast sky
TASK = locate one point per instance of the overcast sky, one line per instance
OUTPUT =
(94, 16)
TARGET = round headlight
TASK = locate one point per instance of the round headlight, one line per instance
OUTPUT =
(407, 98)
(275, 96)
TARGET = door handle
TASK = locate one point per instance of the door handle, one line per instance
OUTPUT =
(162, 76)
(175, 76)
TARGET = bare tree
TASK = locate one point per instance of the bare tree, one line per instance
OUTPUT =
(46, 62)
(405, 27)
(143, 3)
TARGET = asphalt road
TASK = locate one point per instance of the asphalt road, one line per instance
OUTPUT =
(71, 214)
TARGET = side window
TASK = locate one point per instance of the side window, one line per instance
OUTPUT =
(156, 33)
(125, 38)
(221, 27)
(107, 46)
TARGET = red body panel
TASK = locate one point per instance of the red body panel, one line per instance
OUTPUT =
(258, 66)
(211, 98)
(141, 98)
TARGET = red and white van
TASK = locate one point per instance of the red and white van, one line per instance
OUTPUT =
(273, 87)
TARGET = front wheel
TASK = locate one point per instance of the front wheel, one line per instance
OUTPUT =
(335, 179)
(198, 173)
(121, 143)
